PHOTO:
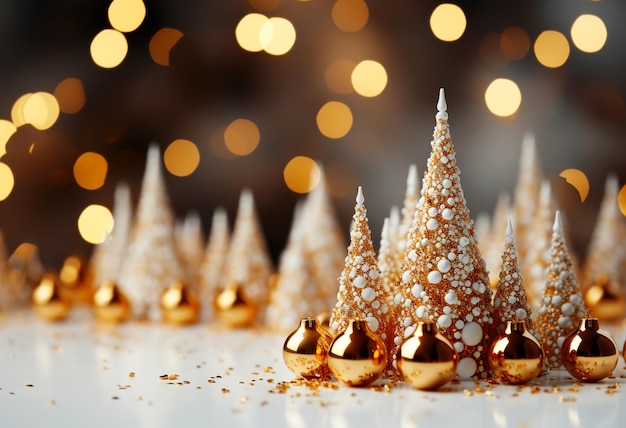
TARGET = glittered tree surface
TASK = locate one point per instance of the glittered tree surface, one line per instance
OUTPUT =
(510, 302)
(361, 294)
(190, 245)
(443, 277)
(295, 294)
(388, 262)
(151, 264)
(248, 262)
(562, 305)
(409, 206)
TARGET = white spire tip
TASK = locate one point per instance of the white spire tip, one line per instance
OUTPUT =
(359, 196)
(442, 106)
(558, 224)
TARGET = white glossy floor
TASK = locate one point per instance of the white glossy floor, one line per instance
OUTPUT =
(77, 374)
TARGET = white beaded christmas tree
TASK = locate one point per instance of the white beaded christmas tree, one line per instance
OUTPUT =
(190, 245)
(443, 278)
(409, 206)
(151, 264)
(361, 294)
(562, 305)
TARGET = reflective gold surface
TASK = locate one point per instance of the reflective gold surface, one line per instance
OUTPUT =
(179, 304)
(234, 309)
(305, 350)
(74, 278)
(515, 356)
(604, 300)
(110, 305)
(426, 359)
(589, 353)
(49, 301)
(323, 320)
(357, 356)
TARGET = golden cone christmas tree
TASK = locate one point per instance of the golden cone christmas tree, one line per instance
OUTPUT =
(562, 305)
(107, 257)
(190, 246)
(443, 278)
(361, 294)
(248, 263)
(510, 302)
(151, 264)
(295, 294)
(211, 272)
(324, 242)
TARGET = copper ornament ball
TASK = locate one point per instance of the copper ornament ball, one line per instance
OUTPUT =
(357, 356)
(589, 353)
(515, 356)
(234, 309)
(110, 305)
(49, 300)
(305, 350)
(605, 299)
(427, 359)
(179, 304)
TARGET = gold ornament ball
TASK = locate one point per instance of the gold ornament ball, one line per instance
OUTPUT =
(49, 301)
(110, 305)
(305, 350)
(357, 356)
(234, 309)
(179, 304)
(75, 279)
(515, 356)
(427, 359)
(589, 353)
(605, 300)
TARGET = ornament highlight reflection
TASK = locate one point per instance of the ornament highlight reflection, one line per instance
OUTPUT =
(234, 309)
(179, 304)
(49, 300)
(110, 305)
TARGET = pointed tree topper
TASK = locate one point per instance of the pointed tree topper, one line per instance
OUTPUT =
(361, 294)
(443, 278)
(562, 305)
(510, 303)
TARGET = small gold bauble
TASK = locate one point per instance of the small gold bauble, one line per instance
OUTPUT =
(515, 356)
(234, 309)
(179, 304)
(305, 350)
(49, 301)
(604, 299)
(426, 359)
(589, 353)
(110, 305)
(357, 356)
(74, 278)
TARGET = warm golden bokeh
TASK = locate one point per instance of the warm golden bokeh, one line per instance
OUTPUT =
(17, 111)
(578, 180)
(242, 137)
(621, 199)
(301, 174)
(162, 43)
(70, 94)
(41, 110)
(6, 181)
(514, 43)
(126, 15)
(369, 78)
(95, 223)
(277, 36)
(350, 15)
(338, 76)
(248, 32)
(448, 22)
(551, 49)
(181, 158)
(588, 33)
(108, 48)
(90, 170)
(7, 129)
(334, 119)
(503, 97)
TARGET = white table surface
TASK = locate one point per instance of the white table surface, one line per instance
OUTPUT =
(78, 373)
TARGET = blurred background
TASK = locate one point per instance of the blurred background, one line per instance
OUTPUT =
(255, 93)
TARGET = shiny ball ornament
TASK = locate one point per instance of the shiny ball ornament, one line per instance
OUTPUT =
(515, 356)
(75, 279)
(179, 304)
(357, 356)
(427, 359)
(604, 303)
(234, 309)
(110, 305)
(589, 353)
(305, 350)
(49, 300)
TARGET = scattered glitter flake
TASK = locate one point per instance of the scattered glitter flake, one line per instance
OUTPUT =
(131, 374)
(164, 377)
(270, 380)
(53, 402)
(57, 348)
(105, 368)
(490, 394)
(556, 390)
(243, 399)
(225, 391)
(566, 399)
(264, 403)
(173, 376)
(198, 387)
(573, 389)
(468, 392)
(268, 369)
(115, 397)
(479, 390)
(211, 381)
(139, 398)
(30, 385)
(612, 389)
